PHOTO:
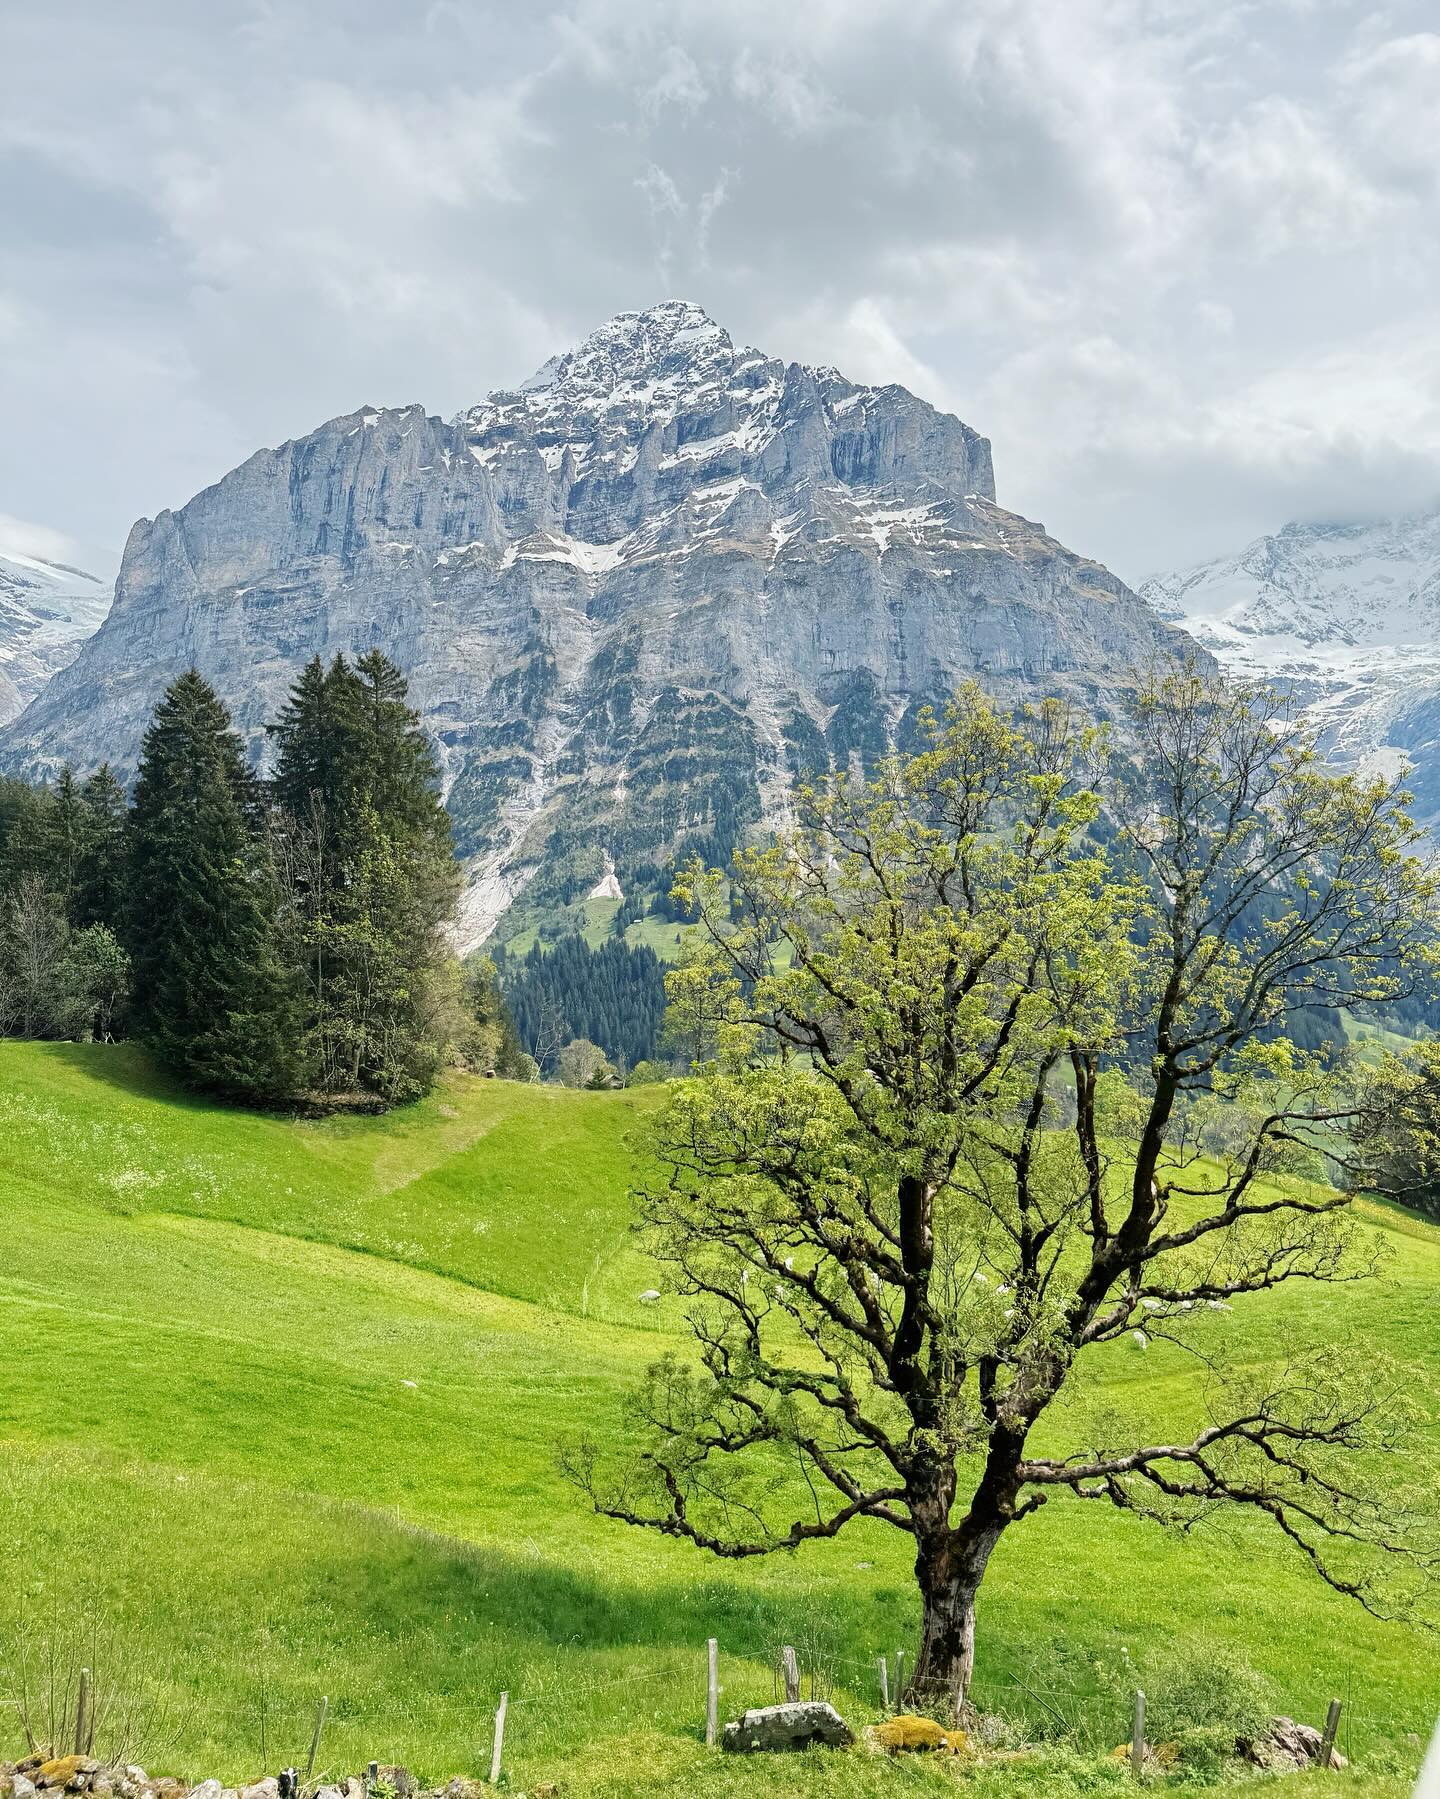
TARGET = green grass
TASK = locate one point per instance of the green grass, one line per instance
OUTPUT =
(280, 1409)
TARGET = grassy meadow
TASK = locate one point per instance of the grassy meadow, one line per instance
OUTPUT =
(279, 1417)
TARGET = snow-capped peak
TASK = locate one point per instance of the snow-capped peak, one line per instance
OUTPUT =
(1348, 615)
(652, 365)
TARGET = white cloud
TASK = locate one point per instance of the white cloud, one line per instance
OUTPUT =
(1177, 260)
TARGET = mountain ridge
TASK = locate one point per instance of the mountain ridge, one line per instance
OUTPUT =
(636, 596)
(47, 610)
(1346, 615)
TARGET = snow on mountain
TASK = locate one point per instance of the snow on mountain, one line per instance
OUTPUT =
(1346, 614)
(47, 610)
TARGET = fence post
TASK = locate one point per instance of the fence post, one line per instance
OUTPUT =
(1137, 1737)
(899, 1677)
(320, 1711)
(82, 1707)
(499, 1739)
(712, 1691)
(791, 1666)
(1327, 1742)
(885, 1682)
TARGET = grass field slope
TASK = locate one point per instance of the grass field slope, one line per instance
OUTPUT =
(279, 1416)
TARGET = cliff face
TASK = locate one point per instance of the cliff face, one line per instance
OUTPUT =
(634, 597)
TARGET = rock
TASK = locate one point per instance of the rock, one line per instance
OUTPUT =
(328, 1792)
(908, 1732)
(667, 547)
(795, 1725)
(66, 1771)
(268, 1788)
(463, 1788)
(207, 1789)
(399, 1778)
(352, 1787)
(1287, 1747)
(21, 1786)
(102, 1785)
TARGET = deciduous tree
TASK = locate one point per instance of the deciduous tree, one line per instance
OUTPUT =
(899, 1251)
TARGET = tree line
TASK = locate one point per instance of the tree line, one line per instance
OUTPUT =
(269, 940)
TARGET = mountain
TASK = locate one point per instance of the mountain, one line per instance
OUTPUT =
(635, 596)
(47, 610)
(1348, 616)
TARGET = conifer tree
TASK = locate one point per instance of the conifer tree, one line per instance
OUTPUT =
(372, 875)
(213, 996)
(99, 893)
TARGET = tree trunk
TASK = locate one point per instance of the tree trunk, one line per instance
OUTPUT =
(949, 1570)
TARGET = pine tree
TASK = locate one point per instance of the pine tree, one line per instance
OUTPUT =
(372, 876)
(99, 895)
(214, 998)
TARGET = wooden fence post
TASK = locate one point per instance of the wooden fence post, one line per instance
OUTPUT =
(1137, 1737)
(320, 1711)
(499, 1739)
(82, 1709)
(712, 1691)
(885, 1683)
(790, 1663)
(1327, 1742)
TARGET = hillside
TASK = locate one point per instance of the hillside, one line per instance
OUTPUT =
(635, 597)
(346, 1350)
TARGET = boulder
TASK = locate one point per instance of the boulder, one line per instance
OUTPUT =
(1287, 1747)
(909, 1733)
(268, 1788)
(72, 1771)
(795, 1725)
(207, 1789)
(21, 1786)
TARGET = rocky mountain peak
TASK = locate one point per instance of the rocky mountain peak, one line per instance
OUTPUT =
(636, 596)
(664, 355)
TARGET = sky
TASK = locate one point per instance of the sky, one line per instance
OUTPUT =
(1178, 259)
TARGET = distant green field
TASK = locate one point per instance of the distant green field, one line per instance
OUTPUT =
(280, 1409)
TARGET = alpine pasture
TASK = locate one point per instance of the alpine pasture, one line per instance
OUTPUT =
(280, 1416)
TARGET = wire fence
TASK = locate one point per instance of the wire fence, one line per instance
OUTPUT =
(1056, 1698)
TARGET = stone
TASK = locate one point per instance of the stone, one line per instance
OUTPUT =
(667, 548)
(328, 1792)
(102, 1784)
(795, 1725)
(1288, 1747)
(352, 1787)
(65, 1771)
(910, 1733)
(461, 1787)
(268, 1788)
(396, 1777)
(207, 1789)
(21, 1786)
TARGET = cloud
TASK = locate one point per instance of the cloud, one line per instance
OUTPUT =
(1176, 260)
